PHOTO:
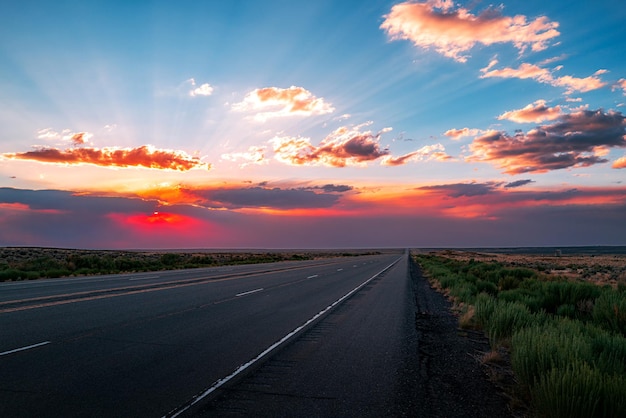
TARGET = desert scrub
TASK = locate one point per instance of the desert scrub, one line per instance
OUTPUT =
(609, 311)
(500, 318)
(568, 349)
(571, 369)
(581, 391)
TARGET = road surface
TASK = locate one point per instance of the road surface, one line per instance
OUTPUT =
(152, 344)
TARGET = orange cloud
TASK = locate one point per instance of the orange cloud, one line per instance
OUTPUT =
(579, 139)
(144, 156)
(620, 162)
(452, 31)
(535, 112)
(343, 147)
(79, 138)
(545, 76)
(271, 102)
(463, 132)
(348, 146)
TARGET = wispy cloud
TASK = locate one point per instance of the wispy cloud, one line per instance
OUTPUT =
(463, 132)
(621, 84)
(272, 102)
(578, 139)
(518, 183)
(434, 152)
(144, 156)
(545, 76)
(453, 31)
(202, 90)
(535, 112)
(66, 136)
(254, 155)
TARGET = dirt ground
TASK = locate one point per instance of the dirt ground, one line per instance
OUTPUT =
(449, 379)
(602, 269)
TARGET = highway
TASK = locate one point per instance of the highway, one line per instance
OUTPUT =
(167, 343)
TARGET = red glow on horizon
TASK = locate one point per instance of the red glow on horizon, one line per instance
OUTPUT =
(160, 221)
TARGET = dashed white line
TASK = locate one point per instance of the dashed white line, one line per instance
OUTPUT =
(312, 277)
(339, 269)
(249, 292)
(221, 382)
(24, 348)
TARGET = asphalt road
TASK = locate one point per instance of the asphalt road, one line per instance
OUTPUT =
(150, 344)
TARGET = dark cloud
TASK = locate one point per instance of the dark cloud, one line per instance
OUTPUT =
(464, 189)
(517, 183)
(260, 197)
(579, 139)
(517, 218)
(337, 188)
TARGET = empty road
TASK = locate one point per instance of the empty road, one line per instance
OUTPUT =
(187, 342)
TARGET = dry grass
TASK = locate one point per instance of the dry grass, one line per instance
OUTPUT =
(605, 269)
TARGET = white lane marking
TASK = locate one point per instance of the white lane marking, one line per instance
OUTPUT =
(24, 348)
(248, 292)
(144, 278)
(339, 269)
(240, 369)
(312, 277)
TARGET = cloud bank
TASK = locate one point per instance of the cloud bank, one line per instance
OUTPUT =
(578, 139)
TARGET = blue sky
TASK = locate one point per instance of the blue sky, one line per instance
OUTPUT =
(432, 112)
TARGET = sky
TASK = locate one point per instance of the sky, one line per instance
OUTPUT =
(312, 124)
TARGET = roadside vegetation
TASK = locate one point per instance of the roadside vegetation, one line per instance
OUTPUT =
(566, 339)
(35, 263)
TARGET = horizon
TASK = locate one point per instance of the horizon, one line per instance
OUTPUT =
(282, 125)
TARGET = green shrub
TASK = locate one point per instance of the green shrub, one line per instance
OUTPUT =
(578, 390)
(486, 287)
(507, 317)
(55, 273)
(484, 306)
(609, 311)
(12, 274)
(539, 348)
(568, 311)
(463, 291)
(170, 259)
(609, 352)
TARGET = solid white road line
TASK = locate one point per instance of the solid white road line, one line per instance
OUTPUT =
(24, 348)
(248, 292)
(240, 369)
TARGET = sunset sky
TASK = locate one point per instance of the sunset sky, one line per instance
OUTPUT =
(312, 124)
